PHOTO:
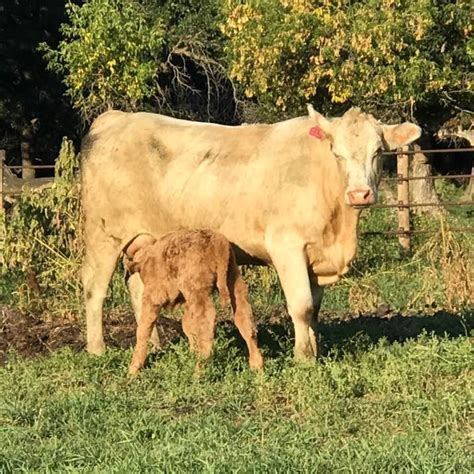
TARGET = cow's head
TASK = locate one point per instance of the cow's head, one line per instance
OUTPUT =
(357, 140)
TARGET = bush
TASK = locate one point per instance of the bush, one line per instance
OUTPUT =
(43, 246)
(390, 56)
(131, 54)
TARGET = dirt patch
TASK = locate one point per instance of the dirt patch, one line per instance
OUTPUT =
(34, 335)
(31, 335)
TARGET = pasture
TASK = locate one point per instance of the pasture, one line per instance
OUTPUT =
(393, 391)
(390, 394)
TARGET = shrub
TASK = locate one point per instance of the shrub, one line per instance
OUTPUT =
(43, 246)
(130, 54)
(390, 56)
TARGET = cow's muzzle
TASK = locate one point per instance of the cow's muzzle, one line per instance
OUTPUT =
(361, 197)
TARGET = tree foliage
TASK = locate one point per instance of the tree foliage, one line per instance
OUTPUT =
(32, 105)
(131, 54)
(392, 56)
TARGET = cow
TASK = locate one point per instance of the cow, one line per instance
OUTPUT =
(185, 266)
(287, 194)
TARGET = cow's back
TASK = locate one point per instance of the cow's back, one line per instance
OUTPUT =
(147, 173)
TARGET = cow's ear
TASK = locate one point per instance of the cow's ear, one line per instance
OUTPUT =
(320, 121)
(396, 136)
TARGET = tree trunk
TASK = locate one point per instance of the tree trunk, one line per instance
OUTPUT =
(423, 190)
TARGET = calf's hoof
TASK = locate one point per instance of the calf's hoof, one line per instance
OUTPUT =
(256, 362)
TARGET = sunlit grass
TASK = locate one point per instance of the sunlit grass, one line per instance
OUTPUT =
(365, 407)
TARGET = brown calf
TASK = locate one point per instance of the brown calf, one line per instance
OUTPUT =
(187, 266)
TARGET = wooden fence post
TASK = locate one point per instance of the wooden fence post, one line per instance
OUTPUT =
(28, 172)
(403, 198)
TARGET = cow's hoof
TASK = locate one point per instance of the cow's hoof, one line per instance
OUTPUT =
(133, 370)
(306, 357)
(96, 348)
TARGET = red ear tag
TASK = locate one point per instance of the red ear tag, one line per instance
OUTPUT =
(316, 132)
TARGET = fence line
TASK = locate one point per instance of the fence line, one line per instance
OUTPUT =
(424, 152)
(29, 167)
(402, 205)
(16, 185)
(410, 232)
(414, 178)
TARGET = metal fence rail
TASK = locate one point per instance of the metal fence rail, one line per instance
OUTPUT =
(414, 178)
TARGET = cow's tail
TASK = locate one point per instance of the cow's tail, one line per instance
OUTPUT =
(224, 257)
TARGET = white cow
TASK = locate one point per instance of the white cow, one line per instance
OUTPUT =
(287, 194)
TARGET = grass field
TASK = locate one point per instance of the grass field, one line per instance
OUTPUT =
(391, 393)
(387, 396)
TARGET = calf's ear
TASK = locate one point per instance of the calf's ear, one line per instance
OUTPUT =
(321, 122)
(396, 136)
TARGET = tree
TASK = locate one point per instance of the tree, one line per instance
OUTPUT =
(131, 54)
(397, 58)
(32, 107)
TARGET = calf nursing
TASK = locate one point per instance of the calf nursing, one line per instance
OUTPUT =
(185, 266)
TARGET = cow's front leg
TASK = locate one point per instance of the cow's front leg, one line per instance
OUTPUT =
(317, 292)
(290, 264)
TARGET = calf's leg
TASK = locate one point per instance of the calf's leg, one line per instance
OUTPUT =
(199, 323)
(148, 318)
(189, 327)
(135, 288)
(243, 316)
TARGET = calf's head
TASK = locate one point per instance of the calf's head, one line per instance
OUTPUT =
(357, 141)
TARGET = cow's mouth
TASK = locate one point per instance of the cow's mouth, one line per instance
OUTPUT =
(361, 206)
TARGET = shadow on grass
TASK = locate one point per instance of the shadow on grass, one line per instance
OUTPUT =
(276, 337)
(353, 334)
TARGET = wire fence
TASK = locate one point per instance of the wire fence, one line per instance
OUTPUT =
(11, 185)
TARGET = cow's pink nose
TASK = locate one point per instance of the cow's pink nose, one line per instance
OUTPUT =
(361, 197)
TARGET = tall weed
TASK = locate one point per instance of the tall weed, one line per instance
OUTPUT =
(43, 246)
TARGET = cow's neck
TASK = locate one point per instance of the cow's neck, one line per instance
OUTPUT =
(330, 257)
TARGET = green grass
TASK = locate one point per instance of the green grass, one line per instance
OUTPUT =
(369, 405)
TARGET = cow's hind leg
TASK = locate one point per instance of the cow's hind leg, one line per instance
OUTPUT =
(99, 264)
(136, 287)
(243, 315)
(317, 293)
